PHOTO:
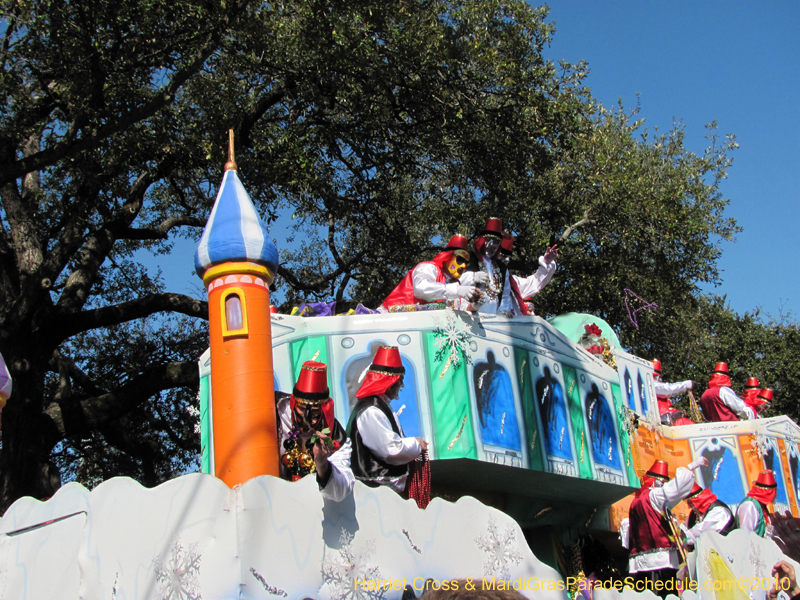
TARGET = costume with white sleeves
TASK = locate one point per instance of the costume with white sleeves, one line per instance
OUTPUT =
(709, 513)
(380, 451)
(311, 394)
(752, 514)
(649, 539)
(431, 281)
(505, 293)
(719, 402)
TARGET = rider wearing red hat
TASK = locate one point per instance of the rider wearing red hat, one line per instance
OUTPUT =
(760, 401)
(503, 292)
(719, 402)
(653, 553)
(665, 391)
(380, 451)
(753, 512)
(709, 513)
(304, 414)
(436, 280)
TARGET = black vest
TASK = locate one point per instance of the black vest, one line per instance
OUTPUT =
(367, 467)
(729, 526)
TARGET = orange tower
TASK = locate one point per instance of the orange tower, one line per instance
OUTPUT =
(237, 261)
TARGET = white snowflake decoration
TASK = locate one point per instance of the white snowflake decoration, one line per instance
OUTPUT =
(340, 571)
(453, 337)
(178, 574)
(499, 549)
(763, 444)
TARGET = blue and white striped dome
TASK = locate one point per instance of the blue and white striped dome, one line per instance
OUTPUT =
(234, 231)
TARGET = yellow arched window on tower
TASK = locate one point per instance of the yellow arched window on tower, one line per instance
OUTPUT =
(234, 311)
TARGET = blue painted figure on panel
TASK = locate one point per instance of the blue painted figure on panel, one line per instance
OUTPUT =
(495, 399)
(794, 466)
(642, 392)
(776, 467)
(630, 398)
(553, 411)
(721, 475)
(601, 429)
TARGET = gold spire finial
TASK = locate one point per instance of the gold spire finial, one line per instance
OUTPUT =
(231, 164)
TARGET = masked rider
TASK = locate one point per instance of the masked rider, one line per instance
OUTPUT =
(311, 438)
(434, 281)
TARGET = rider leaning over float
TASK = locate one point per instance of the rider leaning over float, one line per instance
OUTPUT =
(665, 392)
(434, 281)
(503, 292)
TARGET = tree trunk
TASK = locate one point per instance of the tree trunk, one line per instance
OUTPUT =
(28, 437)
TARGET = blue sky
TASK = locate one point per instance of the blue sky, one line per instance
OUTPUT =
(734, 62)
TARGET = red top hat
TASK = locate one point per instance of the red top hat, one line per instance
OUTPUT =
(659, 470)
(312, 384)
(507, 245)
(493, 228)
(721, 368)
(765, 488)
(458, 242)
(386, 369)
(766, 480)
(656, 366)
(311, 390)
(696, 489)
(752, 384)
(765, 395)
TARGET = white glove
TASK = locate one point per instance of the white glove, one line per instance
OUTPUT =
(481, 278)
(700, 462)
(691, 384)
(468, 292)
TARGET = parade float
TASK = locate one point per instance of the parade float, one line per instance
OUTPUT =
(539, 431)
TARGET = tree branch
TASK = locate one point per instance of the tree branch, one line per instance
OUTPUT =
(62, 364)
(572, 228)
(80, 418)
(161, 232)
(70, 145)
(128, 311)
(319, 284)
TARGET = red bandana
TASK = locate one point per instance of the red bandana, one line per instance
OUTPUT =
(703, 500)
(718, 380)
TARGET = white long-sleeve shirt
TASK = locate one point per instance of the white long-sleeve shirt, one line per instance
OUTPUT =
(377, 434)
(747, 513)
(528, 286)
(671, 389)
(341, 480)
(666, 496)
(736, 404)
(715, 520)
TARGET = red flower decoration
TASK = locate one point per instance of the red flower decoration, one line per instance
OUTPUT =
(593, 329)
(336, 445)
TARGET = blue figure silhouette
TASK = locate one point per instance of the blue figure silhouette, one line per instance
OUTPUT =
(601, 430)
(495, 400)
(553, 411)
